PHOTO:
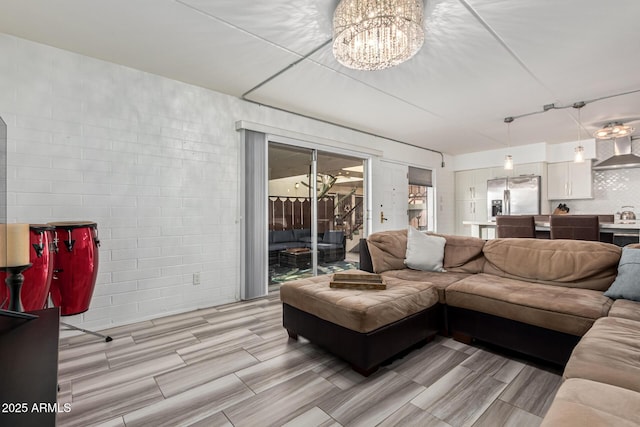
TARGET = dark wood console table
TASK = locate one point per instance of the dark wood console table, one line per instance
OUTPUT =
(29, 369)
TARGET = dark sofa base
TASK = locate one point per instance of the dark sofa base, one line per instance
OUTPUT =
(545, 344)
(364, 351)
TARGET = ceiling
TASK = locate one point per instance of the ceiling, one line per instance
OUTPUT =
(482, 60)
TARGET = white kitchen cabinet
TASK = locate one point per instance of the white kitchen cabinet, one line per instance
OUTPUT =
(569, 180)
(472, 184)
(471, 197)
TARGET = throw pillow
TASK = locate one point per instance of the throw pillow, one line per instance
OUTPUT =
(424, 252)
(627, 283)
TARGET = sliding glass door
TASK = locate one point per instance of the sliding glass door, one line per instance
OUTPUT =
(315, 210)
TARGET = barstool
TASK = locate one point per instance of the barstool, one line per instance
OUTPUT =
(575, 227)
(515, 226)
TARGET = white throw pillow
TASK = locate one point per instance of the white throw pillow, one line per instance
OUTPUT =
(424, 252)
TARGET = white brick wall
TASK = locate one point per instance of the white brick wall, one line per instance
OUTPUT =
(153, 161)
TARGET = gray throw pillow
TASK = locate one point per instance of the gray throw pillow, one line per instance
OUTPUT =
(627, 283)
(424, 252)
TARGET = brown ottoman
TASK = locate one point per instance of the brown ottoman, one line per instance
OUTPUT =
(608, 353)
(584, 403)
(363, 327)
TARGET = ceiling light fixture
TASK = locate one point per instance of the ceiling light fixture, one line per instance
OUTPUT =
(377, 34)
(508, 159)
(614, 130)
(578, 156)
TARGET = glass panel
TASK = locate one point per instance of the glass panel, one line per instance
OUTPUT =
(340, 211)
(290, 213)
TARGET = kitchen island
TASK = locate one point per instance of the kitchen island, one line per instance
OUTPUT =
(478, 228)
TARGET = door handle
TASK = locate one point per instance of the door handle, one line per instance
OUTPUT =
(382, 218)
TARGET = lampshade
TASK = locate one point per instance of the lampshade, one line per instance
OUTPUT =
(377, 34)
(14, 245)
(614, 130)
(578, 156)
(508, 162)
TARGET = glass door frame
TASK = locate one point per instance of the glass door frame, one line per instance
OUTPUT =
(315, 149)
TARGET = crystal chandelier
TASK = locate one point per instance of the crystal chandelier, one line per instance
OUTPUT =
(377, 34)
(613, 130)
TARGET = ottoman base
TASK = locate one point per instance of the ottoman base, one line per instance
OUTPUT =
(364, 351)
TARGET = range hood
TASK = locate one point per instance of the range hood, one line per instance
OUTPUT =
(622, 158)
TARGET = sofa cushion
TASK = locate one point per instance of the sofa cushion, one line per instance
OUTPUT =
(625, 309)
(333, 236)
(568, 310)
(439, 280)
(582, 403)
(461, 254)
(302, 235)
(279, 246)
(281, 236)
(388, 250)
(424, 252)
(608, 353)
(359, 310)
(568, 263)
(627, 283)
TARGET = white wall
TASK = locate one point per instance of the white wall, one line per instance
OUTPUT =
(531, 153)
(155, 163)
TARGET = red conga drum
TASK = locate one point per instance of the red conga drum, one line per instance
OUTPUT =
(75, 266)
(37, 278)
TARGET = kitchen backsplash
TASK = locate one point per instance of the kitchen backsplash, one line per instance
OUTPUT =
(612, 189)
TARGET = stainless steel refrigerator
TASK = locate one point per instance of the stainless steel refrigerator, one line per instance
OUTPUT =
(518, 195)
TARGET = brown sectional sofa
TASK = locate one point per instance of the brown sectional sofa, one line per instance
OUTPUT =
(543, 298)
(602, 377)
(534, 296)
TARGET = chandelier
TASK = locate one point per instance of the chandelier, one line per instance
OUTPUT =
(613, 130)
(377, 34)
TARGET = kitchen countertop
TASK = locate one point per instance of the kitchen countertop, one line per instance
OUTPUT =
(605, 227)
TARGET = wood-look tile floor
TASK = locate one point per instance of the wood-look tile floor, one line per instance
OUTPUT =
(234, 365)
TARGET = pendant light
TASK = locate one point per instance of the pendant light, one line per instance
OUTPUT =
(579, 150)
(508, 159)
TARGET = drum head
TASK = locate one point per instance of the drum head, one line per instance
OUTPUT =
(39, 228)
(70, 225)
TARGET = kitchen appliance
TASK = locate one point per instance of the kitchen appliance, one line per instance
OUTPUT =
(622, 158)
(518, 195)
(627, 215)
